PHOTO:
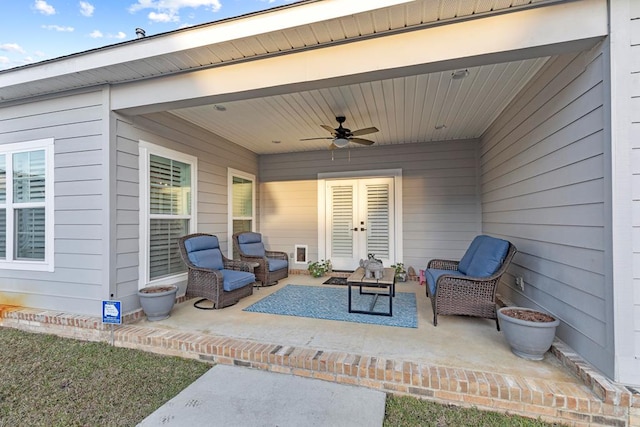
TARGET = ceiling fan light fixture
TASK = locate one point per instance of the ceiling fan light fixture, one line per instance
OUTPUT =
(341, 142)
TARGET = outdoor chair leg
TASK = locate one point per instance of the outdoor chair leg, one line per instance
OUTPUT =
(197, 304)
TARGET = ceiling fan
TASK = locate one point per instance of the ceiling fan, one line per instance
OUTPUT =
(342, 136)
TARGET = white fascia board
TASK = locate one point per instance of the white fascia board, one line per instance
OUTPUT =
(492, 39)
(190, 38)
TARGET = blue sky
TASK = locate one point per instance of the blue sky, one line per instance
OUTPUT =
(36, 30)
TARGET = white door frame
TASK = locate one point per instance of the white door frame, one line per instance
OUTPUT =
(396, 174)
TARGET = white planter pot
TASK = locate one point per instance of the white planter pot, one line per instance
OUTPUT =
(527, 339)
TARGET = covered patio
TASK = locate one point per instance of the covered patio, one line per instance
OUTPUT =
(495, 119)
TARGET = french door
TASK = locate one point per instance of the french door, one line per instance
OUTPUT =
(359, 221)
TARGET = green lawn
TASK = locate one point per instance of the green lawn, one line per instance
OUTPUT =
(46, 380)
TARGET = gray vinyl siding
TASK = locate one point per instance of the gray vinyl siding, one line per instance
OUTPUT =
(214, 155)
(634, 135)
(543, 186)
(441, 211)
(76, 122)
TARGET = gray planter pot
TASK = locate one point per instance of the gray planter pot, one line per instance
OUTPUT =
(157, 301)
(527, 339)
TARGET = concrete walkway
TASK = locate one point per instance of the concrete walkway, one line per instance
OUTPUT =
(235, 396)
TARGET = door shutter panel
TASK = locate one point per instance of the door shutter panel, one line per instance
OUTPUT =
(341, 234)
(378, 232)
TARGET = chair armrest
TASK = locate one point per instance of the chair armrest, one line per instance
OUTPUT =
(232, 264)
(276, 255)
(443, 264)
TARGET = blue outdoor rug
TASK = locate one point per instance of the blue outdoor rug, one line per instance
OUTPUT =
(323, 302)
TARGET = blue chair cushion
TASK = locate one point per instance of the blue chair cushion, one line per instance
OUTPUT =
(233, 279)
(251, 244)
(488, 257)
(204, 252)
(249, 237)
(432, 275)
(465, 261)
(277, 264)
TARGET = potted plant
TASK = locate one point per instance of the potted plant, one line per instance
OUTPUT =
(401, 273)
(157, 301)
(528, 332)
(319, 268)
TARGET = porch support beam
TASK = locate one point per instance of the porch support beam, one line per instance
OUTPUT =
(512, 36)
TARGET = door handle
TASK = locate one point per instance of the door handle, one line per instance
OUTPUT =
(355, 229)
(363, 229)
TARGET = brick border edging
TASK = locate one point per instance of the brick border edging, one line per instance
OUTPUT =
(600, 385)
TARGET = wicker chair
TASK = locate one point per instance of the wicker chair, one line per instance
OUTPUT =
(464, 295)
(272, 265)
(212, 276)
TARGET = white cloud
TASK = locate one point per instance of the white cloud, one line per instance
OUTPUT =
(58, 28)
(86, 9)
(12, 47)
(169, 10)
(96, 34)
(4, 60)
(163, 17)
(119, 36)
(43, 7)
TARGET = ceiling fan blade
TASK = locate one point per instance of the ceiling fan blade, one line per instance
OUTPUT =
(361, 141)
(329, 129)
(364, 131)
(311, 139)
(333, 146)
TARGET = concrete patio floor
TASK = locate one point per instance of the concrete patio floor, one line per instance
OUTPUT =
(456, 341)
(464, 361)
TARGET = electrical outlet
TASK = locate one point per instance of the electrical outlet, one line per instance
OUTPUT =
(520, 283)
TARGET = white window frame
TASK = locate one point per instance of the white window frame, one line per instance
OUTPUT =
(145, 150)
(231, 173)
(8, 150)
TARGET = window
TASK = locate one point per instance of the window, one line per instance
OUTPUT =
(167, 211)
(26, 205)
(242, 201)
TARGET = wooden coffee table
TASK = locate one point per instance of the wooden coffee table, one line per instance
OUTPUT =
(388, 283)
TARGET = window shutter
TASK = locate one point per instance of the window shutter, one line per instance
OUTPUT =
(164, 255)
(29, 187)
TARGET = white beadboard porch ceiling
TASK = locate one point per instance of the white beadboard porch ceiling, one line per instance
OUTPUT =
(405, 110)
